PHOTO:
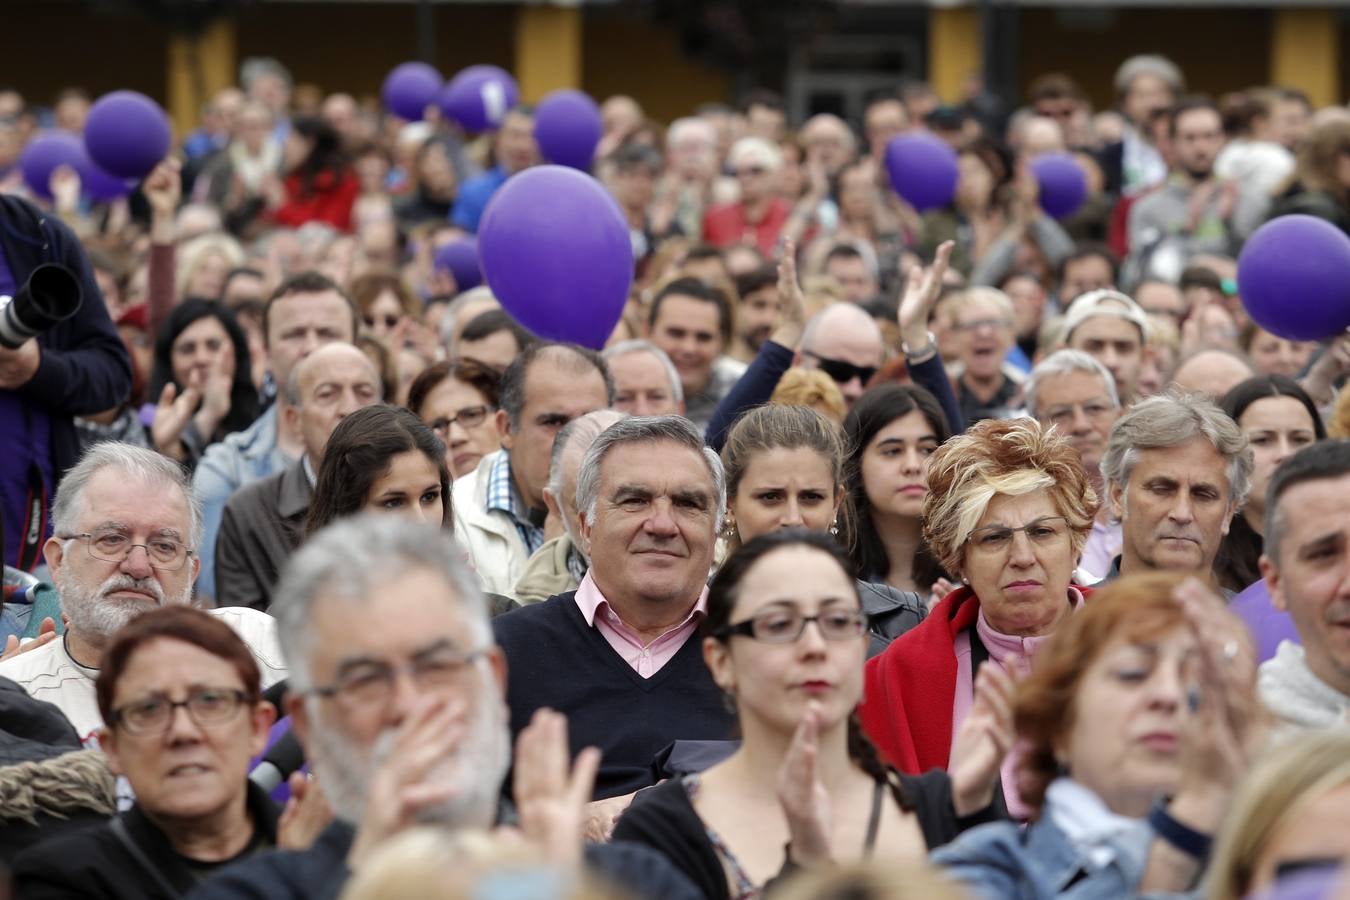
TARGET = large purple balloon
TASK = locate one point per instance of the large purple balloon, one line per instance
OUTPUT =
(555, 250)
(1062, 183)
(479, 97)
(460, 258)
(44, 154)
(410, 88)
(923, 170)
(567, 127)
(1294, 278)
(126, 134)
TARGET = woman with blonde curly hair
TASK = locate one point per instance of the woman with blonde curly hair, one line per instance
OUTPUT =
(1008, 511)
(1132, 729)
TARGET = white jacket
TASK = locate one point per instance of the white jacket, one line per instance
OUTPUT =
(494, 546)
(1298, 699)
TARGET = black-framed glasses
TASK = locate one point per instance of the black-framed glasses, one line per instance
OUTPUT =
(842, 372)
(784, 626)
(152, 715)
(998, 538)
(468, 417)
(165, 553)
(370, 683)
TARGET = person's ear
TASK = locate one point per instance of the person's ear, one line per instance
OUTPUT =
(1274, 584)
(107, 742)
(54, 552)
(1228, 518)
(497, 660)
(1115, 496)
(298, 710)
(290, 418)
(503, 422)
(262, 716)
(718, 661)
(584, 531)
(552, 505)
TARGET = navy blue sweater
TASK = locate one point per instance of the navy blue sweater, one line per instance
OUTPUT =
(555, 659)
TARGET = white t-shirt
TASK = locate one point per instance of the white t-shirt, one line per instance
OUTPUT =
(49, 673)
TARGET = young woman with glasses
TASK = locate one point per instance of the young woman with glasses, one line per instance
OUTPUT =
(786, 639)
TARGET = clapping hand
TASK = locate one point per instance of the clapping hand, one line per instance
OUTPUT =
(802, 793)
(923, 287)
(983, 741)
(552, 793)
(172, 413)
(46, 634)
(792, 302)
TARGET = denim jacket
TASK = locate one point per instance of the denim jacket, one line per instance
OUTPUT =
(1003, 860)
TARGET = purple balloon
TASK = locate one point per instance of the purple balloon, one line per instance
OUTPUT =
(567, 127)
(44, 154)
(923, 170)
(98, 185)
(479, 97)
(410, 88)
(1294, 278)
(555, 250)
(460, 258)
(126, 134)
(1062, 181)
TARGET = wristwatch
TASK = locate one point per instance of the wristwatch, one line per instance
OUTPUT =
(914, 354)
(1194, 844)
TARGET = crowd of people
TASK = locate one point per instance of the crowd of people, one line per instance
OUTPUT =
(879, 553)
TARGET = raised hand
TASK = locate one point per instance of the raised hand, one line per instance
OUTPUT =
(791, 300)
(923, 287)
(46, 634)
(163, 188)
(551, 792)
(802, 793)
(172, 413)
(306, 814)
(983, 741)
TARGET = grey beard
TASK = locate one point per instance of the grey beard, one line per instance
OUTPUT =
(94, 614)
(475, 770)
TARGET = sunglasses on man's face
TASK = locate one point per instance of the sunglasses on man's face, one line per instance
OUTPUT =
(389, 319)
(842, 372)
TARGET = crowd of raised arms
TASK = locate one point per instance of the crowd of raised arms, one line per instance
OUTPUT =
(884, 549)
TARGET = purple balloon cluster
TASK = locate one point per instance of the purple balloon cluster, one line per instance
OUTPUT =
(479, 97)
(554, 247)
(923, 170)
(460, 258)
(1062, 183)
(127, 134)
(410, 88)
(48, 152)
(567, 128)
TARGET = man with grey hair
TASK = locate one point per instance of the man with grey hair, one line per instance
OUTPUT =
(560, 564)
(125, 535)
(1076, 394)
(263, 522)
(1177, 468)
(620, 655)
(1145, 85)
(404, 722)
(646, 382)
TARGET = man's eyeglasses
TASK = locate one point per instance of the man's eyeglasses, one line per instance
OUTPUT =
(998, 538)
(1093, 409)
(468, 417)
(206, 706)
(165, 553)
(368, 684)
(977, 324)
(784, 626)
(842, 372)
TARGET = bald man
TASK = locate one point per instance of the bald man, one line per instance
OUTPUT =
(264, 521)
(846, 344)
(1211, 372)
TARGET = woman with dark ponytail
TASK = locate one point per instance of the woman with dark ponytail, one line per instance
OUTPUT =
(785, 637)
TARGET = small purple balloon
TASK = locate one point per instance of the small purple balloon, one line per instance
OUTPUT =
(923, 170)
(479, 97)
(44, 155)
(410, 88)
(1294, 278)
(460, 258)
(98, 185)
(126, 134)
(1062, 181)
(555, 250)
(567, 127)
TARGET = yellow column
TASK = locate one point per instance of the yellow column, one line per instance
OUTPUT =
(548, 50)
(953, 49)
(1305, 53)
(199, 66)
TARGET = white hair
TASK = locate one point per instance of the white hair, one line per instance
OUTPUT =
(638, 345)
(1063, 362)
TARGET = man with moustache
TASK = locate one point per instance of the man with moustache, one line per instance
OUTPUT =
(125, 535)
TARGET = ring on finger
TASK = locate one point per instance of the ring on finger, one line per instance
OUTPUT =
(1230, 650)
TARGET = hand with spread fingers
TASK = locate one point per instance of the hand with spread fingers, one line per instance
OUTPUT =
(551, 791)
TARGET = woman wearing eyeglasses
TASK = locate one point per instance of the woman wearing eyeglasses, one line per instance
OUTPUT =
(1008, 511)
(458, 400)
(786, 639)
(180, 698)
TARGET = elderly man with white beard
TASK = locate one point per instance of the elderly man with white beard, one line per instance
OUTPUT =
(397, 693)
(125, 534)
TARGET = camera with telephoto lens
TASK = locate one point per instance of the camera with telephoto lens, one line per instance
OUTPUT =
(51, 296)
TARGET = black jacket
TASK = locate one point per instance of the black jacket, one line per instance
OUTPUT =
(94, 864)
(85, 367)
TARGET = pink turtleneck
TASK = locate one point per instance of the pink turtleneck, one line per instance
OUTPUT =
(1014, 654)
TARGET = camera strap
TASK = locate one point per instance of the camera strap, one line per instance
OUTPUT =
(34, 510)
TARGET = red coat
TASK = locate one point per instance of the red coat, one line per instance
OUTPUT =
(726, 226)
(908, 689)
(330, 200)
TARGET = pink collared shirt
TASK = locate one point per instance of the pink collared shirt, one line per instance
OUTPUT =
(646, 659)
